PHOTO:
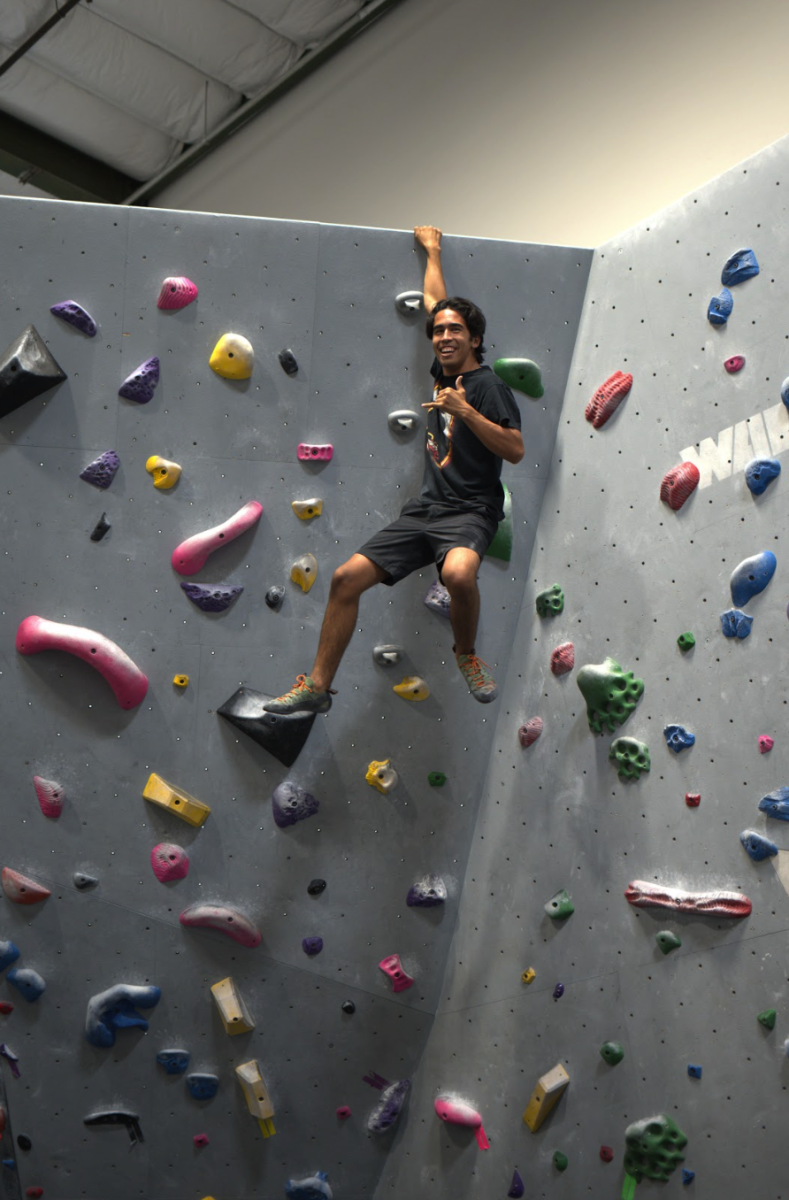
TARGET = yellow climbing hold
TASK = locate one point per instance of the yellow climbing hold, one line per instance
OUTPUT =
(304, 571)
(232, 1009)
(250, 1077)
(412, 688)
(529, 975)
(179, 802)
(232, 357)
(550, 1087)
(304, 509)
(181, 681)
(165, 473)
(381, 775)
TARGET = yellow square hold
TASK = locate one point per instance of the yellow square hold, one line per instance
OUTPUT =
(550, 1087)
(179, 802)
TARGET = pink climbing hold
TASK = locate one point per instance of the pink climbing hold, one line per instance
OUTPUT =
(20, 889)
(528, 733)
(50, 796)
(458, 1112)
(309, 453)
(392, 967)
(766, 743)
(124, 677)
(678, 483)
(643, 894)
(563, 658)
(169, 862)
(607, 398)
(223, 919)
(176, 292)
(734, 364)
(343, 1112)
(200, 1139)
(190, 556)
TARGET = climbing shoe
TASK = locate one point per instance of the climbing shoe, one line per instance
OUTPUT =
(477, 675)
(302, 697)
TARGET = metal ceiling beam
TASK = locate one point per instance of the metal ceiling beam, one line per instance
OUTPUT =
(22, 50)
(253, 108)
(64, 172)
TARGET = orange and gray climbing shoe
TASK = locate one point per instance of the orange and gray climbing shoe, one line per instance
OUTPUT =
(477, 675)
(302, 697)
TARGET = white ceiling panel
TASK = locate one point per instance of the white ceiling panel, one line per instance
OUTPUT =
(306, 22)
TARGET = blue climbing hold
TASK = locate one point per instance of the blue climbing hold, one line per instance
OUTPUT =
(687, 1176)
(740, 266)
(752, 576)
(694, 1071)
(202, 1087)
(720, 307)
(8, 953)
(516, 1187)
(312, 945)
(760, 472)
(28, 982)
(174, 1062)
(757, 846)
(678, 737)
(10, 1163)
(776, 804)
(785, 391)
(735, 623)
(117, 1009)
(316, 1187)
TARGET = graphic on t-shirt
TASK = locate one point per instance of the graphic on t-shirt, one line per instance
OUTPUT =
(447, 420)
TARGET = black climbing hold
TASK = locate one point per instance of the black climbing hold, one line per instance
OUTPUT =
(24, 1142)
(118, 1116)
(316, 886)
(282, 736)
(348, 1006)
(287, 360)
(102, 526)
(26, 370)
(83, 882)
(274, 596)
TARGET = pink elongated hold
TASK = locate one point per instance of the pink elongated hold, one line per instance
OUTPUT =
(20, 889)
(458, 1112)
(176, 292)
(124, 676)
(528, 733)
(678, 483)
(734, 364)
(392, 967)
(50, 796)
(607, 398)
(642, 894)
(310, 453)
(190, 556)
(169, 862)
(563, 658)
(223, 919)
(766, 743)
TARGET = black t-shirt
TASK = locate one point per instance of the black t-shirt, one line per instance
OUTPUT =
(459, 470)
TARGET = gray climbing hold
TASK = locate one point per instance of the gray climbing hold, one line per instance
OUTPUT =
(437, 599)
(410, 304)
(427, 892)
(27, 369)
(274, 597)
(402, 420)
(387, 656)
(83, 882)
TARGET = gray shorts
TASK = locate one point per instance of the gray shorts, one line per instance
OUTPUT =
(425, 533)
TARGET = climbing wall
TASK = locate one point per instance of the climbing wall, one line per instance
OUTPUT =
(636, 575)
(327, 293)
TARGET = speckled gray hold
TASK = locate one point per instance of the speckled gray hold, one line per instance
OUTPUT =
(291, 803)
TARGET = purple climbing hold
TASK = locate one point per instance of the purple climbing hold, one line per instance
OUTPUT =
(558, 991)
(291, 803)
(312, 945)
(141, 384)
(389, 1107)
(437, 599)
(74, 314)
(516, 1187)
(213, 597)
(427, 892)
(102, 470)
(11, 1058)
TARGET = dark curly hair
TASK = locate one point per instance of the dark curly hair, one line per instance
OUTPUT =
(474, 318)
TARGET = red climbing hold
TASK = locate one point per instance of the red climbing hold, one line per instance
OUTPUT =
(34, 1192)
(607, 398)
(563, 658)
(734, 364)
(6, 1008)
(607, 1154)
(528, 733)
(693, 799)
(766, 743)
(678, 483)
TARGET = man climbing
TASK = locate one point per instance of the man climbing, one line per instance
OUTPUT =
(473, 422)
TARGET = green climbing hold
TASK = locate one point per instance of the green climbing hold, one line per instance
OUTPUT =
(559, 1160)
(612, 1052)
(559, 906)
(521, 374)
(631, 757)
(550, 602)
(767, 1018)
(610, 693)
(501, 546)
(652, 1148)
(436, 778)
(668, 941)
(686, 641)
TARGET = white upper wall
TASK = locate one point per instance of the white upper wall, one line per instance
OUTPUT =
(557, 121)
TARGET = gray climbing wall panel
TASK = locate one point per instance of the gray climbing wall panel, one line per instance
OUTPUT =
(555, 815)
(326, 292)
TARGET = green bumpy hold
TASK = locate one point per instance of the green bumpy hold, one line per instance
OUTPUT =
(767, 1018)
(610, 693)
(686, 641)
(560, 1160)
(631, 757)
(550, 602)
(560, 906)
(668, 941)
(612, 1052)
(521, 374)
(652, 1147)
(436, 778)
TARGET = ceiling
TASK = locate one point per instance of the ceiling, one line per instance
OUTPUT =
(114, 95)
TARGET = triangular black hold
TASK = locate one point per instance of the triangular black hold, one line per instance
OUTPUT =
(26, 370)
(284, 737)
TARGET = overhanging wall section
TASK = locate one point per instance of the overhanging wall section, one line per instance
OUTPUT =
(328, 294)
